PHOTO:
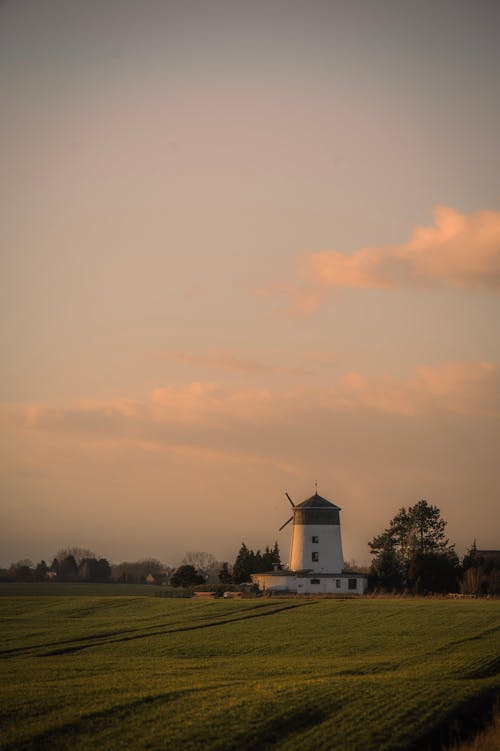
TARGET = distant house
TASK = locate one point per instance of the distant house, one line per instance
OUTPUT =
(159, 579)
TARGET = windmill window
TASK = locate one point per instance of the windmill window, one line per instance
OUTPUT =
(315, 581)
(353, 583)
(315, 556)
(315, 538)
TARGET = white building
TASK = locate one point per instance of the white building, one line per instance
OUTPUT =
(316, 561)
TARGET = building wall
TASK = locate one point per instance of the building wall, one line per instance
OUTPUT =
(342, 584)
(327, 549)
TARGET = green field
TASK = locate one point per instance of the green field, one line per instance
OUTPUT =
(84, 671)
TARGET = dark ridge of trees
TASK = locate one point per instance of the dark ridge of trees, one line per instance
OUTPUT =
(64, 569)
(79, 554)
(413, 553)
(481, 572)
(225, 575)
(249, 562)
(186, 576)
(68, 569)
(136, 571)
(205, 564)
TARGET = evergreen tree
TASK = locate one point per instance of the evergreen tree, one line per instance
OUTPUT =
(103, 569)
(386, 570)
(54, 567)
(411, 547)
(270, 558)
(244, 565)
(433, 572)
(247, 562)
(225, 576)
(68, 570)
(186, 576)
(470, 559)
(41, 571)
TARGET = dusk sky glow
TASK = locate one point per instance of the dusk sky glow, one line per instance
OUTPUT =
(246, 246)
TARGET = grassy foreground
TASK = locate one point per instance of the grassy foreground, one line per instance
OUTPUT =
(115, 672)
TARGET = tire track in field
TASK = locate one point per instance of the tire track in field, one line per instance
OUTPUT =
(458, 642)
(45, 741)
(18, 651)
(133, 637)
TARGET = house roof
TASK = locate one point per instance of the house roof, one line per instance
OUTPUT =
(316, 501)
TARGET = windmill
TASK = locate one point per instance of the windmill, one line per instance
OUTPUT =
(316, 543)
(291, 518)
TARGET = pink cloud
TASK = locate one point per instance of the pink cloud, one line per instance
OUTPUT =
(207, 414)
(459, 250)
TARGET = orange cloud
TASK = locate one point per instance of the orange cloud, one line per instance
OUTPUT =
(204, 414)
(459, 250)
(461, 388)
(148, 464)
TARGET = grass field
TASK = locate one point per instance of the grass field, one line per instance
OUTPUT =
(84, 671)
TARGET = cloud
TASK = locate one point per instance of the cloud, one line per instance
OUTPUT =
(458, 388)
(146, 468)
(219, 359)
(459, 250)
(206, 414)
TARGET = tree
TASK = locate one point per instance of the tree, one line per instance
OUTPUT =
(41, 571)
(78, 554)
(68, 569)
(271, 558)
(412, 546)
(22, 571)
(54, 568)
(201, 561)
(433, 572)
(249, 562)
(103, 569)
(481, 572)
(136, 571)
(470, 559)
(186, 576)
(244, 565)
(386, 569)
(92, 569)
(225, 576)
(205, 564)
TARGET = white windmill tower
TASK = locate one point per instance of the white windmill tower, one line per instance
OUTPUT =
(316, 542)
(316, 564)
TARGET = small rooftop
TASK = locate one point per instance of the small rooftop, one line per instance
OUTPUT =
(316, 501)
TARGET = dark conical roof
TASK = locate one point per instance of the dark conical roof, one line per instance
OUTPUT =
(316, 501)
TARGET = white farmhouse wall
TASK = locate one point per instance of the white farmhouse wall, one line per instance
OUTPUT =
(311, 584)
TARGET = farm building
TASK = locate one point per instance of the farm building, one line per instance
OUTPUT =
(316, 562)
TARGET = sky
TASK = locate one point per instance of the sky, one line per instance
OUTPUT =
(246, 247)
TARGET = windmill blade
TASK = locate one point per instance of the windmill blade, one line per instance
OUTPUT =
(293, 504)
(284, 525)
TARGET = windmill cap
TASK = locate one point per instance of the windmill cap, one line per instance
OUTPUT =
(316, 501)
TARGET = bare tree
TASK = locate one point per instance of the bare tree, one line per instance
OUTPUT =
(79, 554)
(203, 562)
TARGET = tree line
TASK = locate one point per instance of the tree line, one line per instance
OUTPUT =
(77, 564)
(413, 555)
